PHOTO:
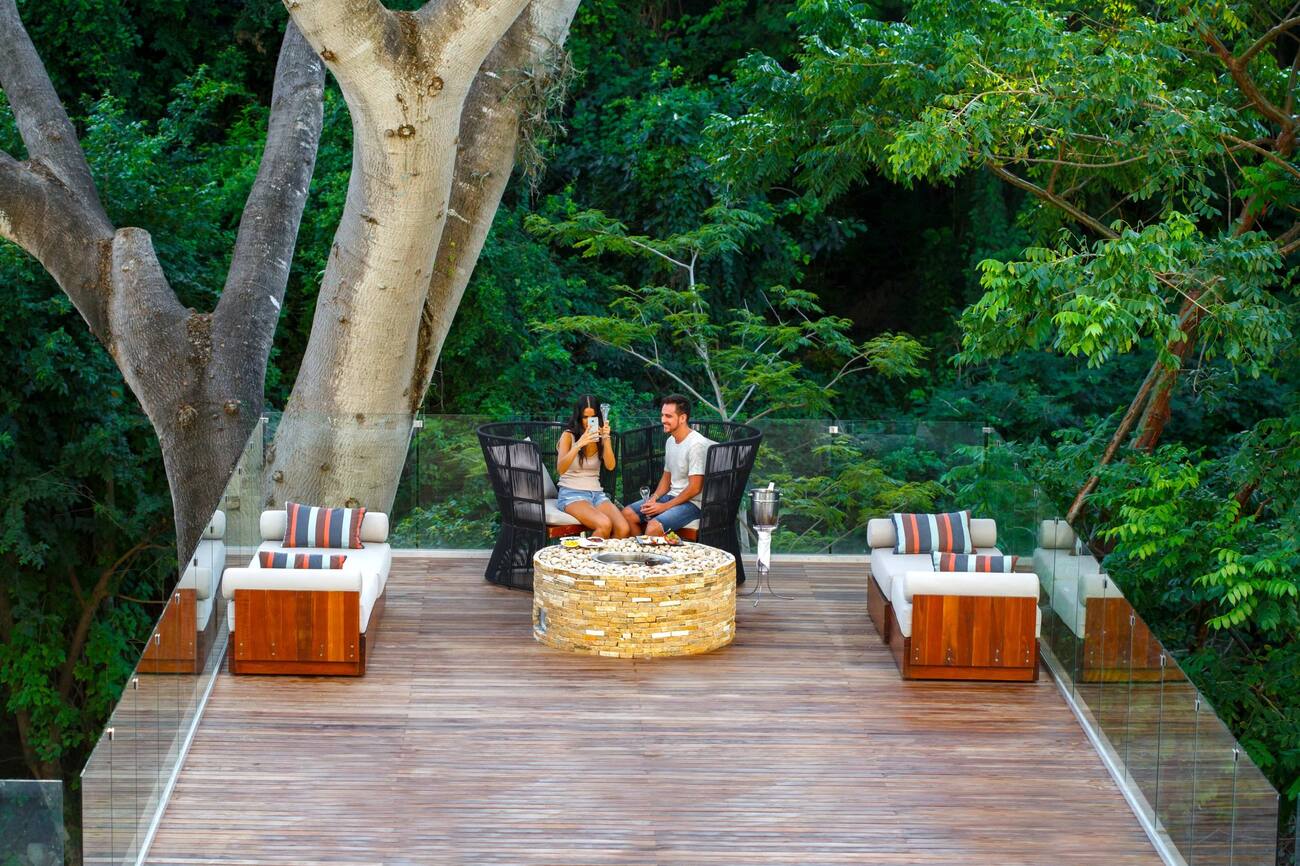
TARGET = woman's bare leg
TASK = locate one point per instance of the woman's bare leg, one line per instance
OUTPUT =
(589, 517)
(621, 527)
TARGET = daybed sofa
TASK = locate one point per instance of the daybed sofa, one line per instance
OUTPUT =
(307, 621)
(953, 625)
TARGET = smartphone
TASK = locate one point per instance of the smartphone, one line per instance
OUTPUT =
(593, 423)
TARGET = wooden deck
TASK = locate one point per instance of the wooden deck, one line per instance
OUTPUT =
(468, 743)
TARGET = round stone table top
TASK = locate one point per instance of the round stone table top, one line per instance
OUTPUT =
(629, 610)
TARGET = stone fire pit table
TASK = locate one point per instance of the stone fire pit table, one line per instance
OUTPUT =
(631, 610)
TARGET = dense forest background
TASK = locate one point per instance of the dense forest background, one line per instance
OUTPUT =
(171, 98)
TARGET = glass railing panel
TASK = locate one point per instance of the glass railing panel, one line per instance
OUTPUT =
(1254, 824)
(1176, 786)
(1145, 729)
(31, 822)
(1108, 662)
(444, 499)
(1213, 792)
(126, 781)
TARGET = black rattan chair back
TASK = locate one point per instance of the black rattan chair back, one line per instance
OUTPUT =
(726, 474)
(515, 452)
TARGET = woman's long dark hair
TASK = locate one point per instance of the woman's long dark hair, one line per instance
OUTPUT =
(577, 426)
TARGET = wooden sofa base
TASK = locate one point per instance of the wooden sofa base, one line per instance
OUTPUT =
(179, 648)
(958, 637)
(879, 609)
(300, 632)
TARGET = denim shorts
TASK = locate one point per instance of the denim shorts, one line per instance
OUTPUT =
(674, 518)
(568, 496)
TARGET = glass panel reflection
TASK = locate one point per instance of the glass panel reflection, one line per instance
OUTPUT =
(31, 822)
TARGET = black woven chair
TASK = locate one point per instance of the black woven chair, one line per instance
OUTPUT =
(514, 452)
(726, 473)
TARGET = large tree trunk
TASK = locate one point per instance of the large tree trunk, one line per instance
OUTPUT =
(434, 135)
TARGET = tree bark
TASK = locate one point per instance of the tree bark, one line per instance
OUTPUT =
(517, 70)
(427, 124)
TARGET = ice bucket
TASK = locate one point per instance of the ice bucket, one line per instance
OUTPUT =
(764, 507)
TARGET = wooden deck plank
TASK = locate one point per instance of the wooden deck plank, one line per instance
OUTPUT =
(467, 742)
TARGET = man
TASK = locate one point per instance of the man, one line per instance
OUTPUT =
(676, 501)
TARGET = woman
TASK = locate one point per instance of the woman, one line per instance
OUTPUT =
(583, 446)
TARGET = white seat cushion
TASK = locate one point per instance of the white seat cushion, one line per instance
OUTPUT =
(887, 565)
(373, 558)
(556, 517)
(203, 573)
(1077, 579)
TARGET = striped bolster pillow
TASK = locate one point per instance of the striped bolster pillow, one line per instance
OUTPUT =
(272, 559)
(976, 562)
(927, 533)
(310, 526)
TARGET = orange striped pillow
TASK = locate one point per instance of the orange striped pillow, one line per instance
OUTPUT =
(275, 559)
(311, 526)
(928, 533)
(977, 562)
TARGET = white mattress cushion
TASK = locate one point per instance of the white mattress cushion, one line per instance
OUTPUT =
(887, 565)
(376, 559)
(556, 517)
(216, 527)
(203, 613)
(1077, 579)
(1055, 535)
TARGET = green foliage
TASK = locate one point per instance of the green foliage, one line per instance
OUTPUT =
(740, 362)
(1102, 300)
(82, 484)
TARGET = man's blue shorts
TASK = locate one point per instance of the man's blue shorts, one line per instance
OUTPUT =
(674, 518)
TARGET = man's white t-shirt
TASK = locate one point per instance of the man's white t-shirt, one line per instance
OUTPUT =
(684, 459)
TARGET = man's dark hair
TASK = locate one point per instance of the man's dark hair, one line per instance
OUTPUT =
(682, 403)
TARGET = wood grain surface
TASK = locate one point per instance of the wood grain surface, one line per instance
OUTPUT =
(467, 742)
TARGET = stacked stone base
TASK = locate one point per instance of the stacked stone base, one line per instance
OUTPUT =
(652, 613)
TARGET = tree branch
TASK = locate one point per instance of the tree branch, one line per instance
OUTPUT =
(472, 27)
(1269, 155)
(44, 126)
(1246, 83)
(268, 229)
(1055, 200)
(88, 609)
(71, 239)
(1269, 36)
(650, 362)
(344, 32)
(489, 136)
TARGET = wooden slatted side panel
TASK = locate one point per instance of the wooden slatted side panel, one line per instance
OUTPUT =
(297, 626)
(973, 631)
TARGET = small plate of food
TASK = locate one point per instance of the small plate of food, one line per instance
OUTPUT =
(672, 538)
(594, 541)
(651, 540)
